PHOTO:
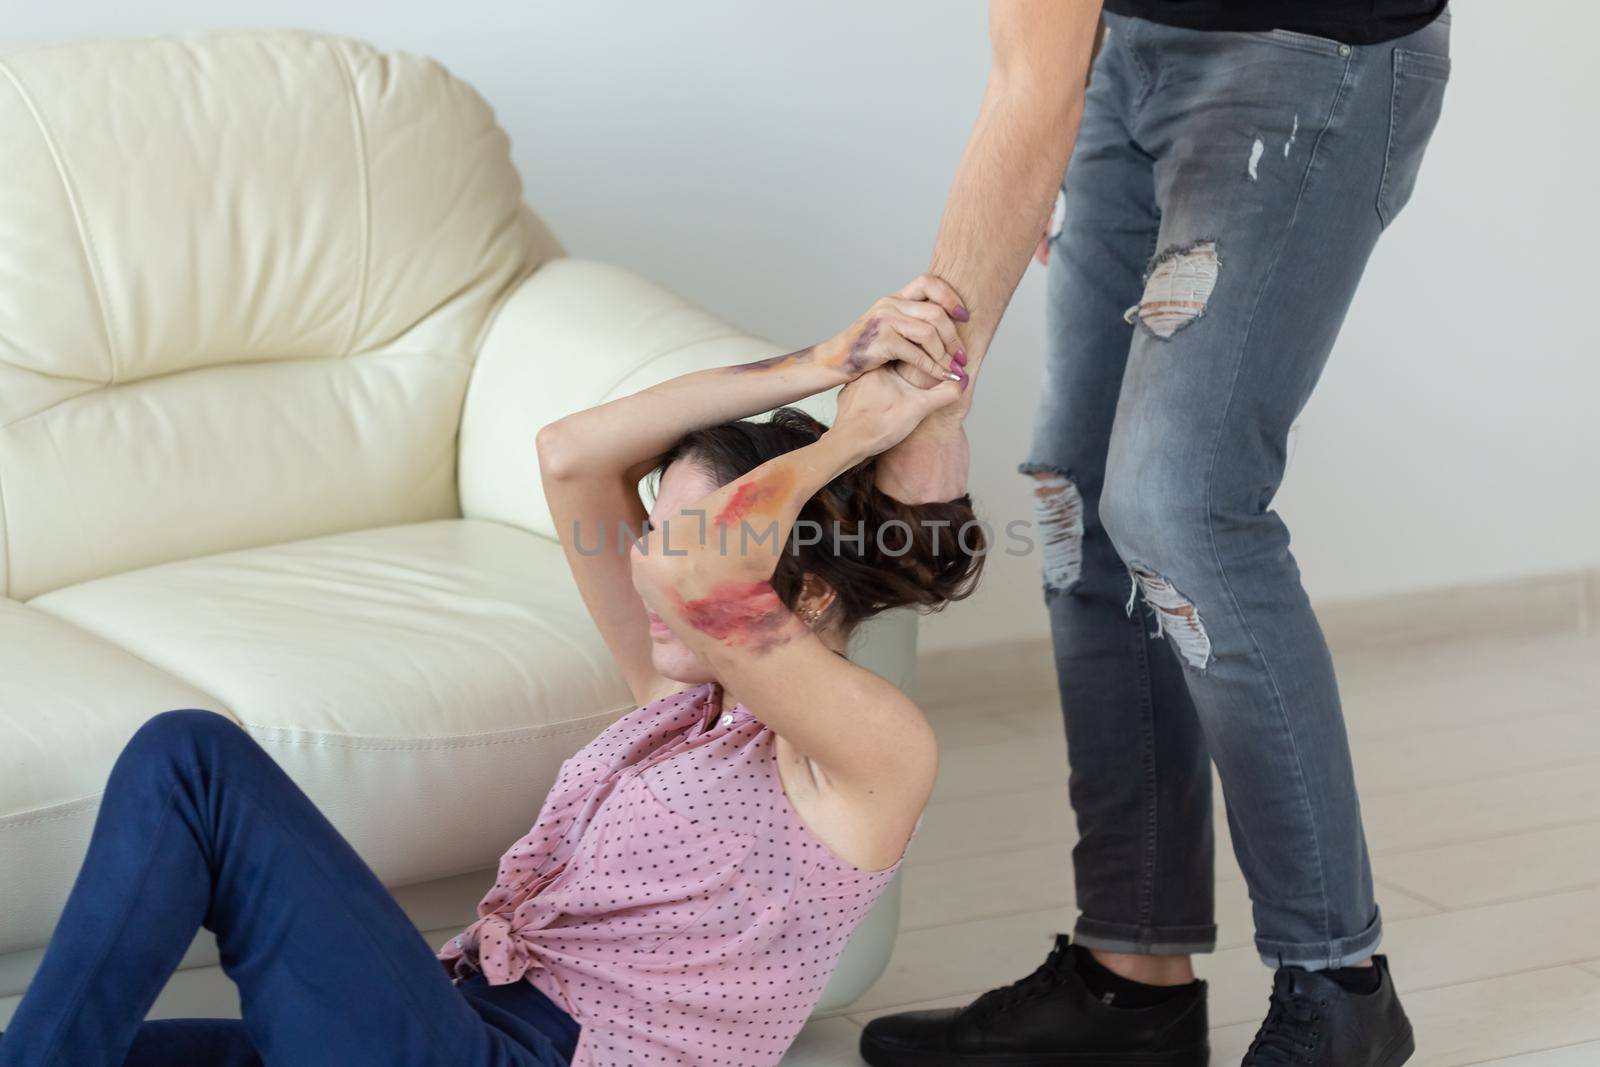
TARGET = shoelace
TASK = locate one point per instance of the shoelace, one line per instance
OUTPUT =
(1049, 975)
(1291, 1030)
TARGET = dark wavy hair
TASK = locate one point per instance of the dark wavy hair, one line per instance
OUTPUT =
(907, 555)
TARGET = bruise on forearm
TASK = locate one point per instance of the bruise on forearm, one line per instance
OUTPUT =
(855, 358)
(771, 362)
(848, 352)
(760, 496)
(746, 615)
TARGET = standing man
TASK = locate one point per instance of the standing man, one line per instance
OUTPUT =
(1236, 163)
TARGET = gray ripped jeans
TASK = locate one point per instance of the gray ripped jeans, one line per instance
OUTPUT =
(1223, 197)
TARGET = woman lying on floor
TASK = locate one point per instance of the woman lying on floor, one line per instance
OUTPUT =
(696, 870)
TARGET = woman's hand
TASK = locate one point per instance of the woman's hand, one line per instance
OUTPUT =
(880, 409)
(916, 328)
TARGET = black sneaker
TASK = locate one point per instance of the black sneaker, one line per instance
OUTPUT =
(1047, 1018)
(1312, 1020)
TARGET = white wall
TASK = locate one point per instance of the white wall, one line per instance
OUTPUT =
(785, 163)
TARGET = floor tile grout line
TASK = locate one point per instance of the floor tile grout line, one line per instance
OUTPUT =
(1472, 779)
(1577, 964)
(1566, 965)
(913, 863)
(994, 793)
(1411, 991)
(1577, 707)
(888, 1008)
(1351, 659)
(1354, 693)
(1051, 786)
(1457, 842)
(1399, 791)
(1532, 1052)
(1476, 905)
(1398, 851)
(1393, 887)
(1015, 913)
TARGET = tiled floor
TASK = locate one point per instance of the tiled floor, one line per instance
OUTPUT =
(1479, 768)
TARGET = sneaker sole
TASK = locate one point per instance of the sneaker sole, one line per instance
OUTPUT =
(879, 1054)
(1401, 1051)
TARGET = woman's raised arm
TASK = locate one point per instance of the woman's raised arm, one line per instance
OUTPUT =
(591, 462)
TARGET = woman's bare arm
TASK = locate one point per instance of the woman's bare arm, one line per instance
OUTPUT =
(591, 462)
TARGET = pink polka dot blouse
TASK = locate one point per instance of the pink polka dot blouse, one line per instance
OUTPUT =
(669, 897)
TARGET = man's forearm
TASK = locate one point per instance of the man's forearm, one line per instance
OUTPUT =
(999, 202)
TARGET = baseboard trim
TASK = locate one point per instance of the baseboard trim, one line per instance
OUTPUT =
(1541, 606)
(1546, 605)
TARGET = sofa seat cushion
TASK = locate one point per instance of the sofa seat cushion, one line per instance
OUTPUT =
(422, 683)
(68, 703)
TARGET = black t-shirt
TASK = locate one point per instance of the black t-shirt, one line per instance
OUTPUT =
(1350, 21)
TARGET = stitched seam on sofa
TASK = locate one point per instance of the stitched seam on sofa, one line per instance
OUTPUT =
(77, 216)
(288, 736)
(359, 129)
(58, 376)
(731, 332)
(63, 810)
(446, 357)
(5, 545)
(68, 808)
(478, 342)
(489, 869)
(493, 317)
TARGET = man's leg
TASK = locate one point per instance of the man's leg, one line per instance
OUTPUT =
(1274, 154)
(1140, 781)
(199, 827)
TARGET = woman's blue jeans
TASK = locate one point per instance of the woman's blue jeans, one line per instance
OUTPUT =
(199, 827)
(1224, 194)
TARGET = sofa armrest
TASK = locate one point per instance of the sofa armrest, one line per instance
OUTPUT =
(573, 334)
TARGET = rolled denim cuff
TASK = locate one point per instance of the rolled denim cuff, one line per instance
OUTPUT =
(1144, 940)
(1323, 955)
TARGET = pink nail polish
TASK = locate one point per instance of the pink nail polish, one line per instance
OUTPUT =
(959, 358)
(960, 314)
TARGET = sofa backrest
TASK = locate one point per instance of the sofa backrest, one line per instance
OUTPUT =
(243, 277)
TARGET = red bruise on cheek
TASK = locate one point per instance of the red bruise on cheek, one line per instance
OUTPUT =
(745, 614)
(756, 496)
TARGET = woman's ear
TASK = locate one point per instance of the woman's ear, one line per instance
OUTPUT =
(816, 597)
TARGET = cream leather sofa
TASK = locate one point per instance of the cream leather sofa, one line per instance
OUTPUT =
(276, 333)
